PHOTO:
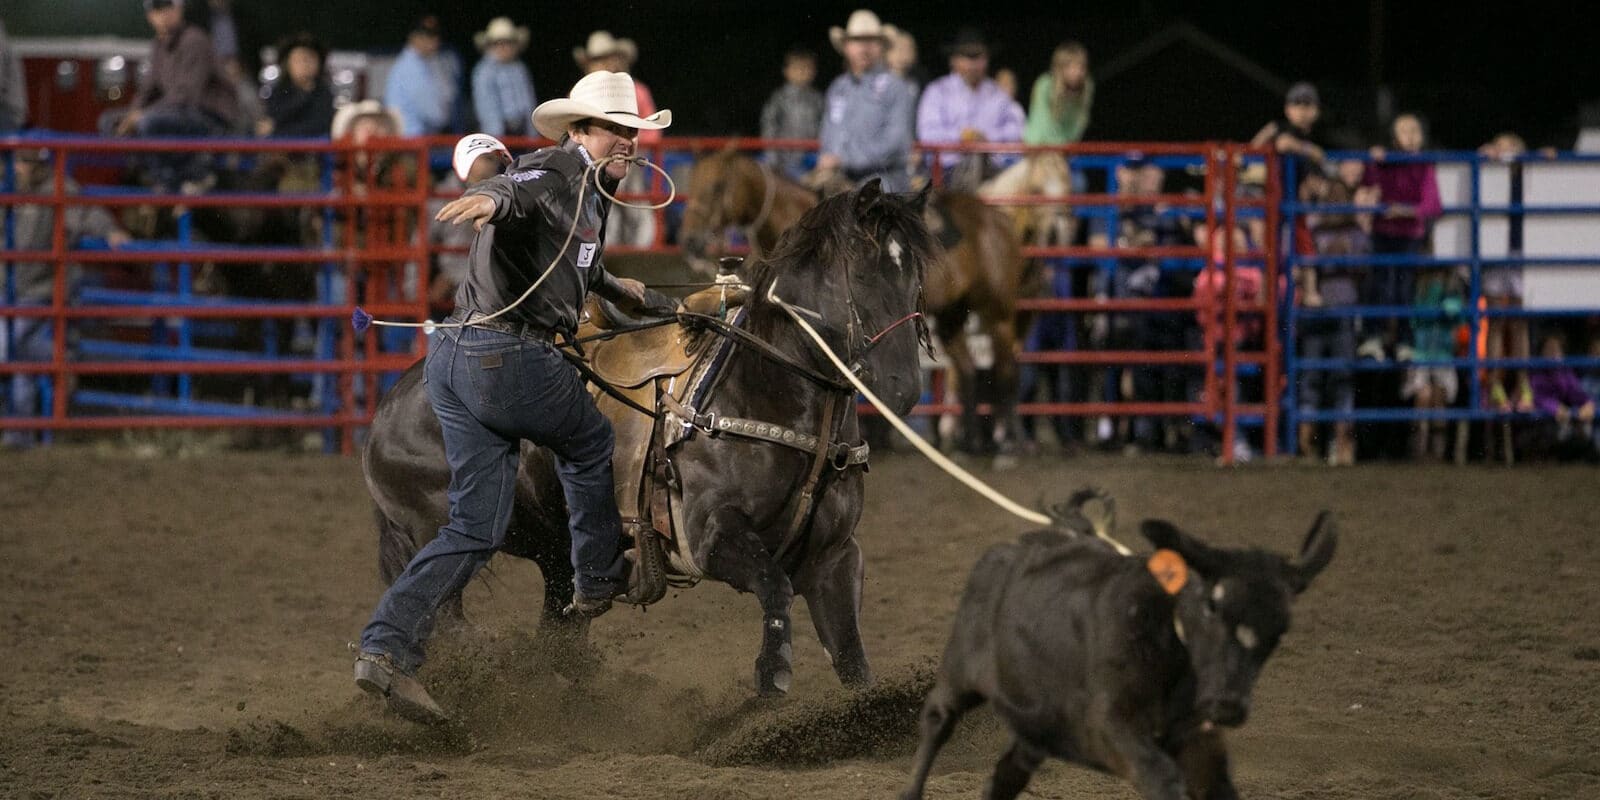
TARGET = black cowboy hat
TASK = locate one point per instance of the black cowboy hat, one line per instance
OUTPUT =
(969, 42)
(302, 39)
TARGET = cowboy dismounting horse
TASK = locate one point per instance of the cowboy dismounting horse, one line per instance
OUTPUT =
(980, 270)
(764, 471)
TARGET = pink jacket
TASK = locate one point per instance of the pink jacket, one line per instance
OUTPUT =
(1412, 183)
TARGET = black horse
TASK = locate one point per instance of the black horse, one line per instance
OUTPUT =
(855, 265)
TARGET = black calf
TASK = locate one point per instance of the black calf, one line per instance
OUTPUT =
(1118, 663)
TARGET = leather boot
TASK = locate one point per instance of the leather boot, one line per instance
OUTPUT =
(377, 674)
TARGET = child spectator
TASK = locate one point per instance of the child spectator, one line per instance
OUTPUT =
(794, 111)
(1336, 234)
(1502, 289)
(1432, 386)
(502, 91)
(1559, 394)
(1410, 194)
(32, 338)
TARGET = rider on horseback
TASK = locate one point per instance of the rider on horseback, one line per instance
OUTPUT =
(494, 382)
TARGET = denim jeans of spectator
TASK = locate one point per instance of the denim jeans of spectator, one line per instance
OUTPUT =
(28, 340)
(169, 170)
(1393, 286)
(490, 390)
(1327, 390)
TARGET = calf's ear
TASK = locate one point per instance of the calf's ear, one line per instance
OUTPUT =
(1205, 559)
(1315, 553)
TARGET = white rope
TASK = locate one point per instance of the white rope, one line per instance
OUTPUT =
(593, 170)
(905, 430)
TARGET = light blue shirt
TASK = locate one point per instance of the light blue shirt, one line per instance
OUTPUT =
(950, 106)
(867, 122)
(423, 91)
(502, 96)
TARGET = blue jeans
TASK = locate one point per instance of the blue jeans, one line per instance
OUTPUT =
(31, 340)
(491, 390)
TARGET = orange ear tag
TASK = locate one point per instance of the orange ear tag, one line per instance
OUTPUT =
(1169, 570)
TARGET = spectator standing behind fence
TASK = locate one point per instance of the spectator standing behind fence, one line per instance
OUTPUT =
(299, 102)
(900, 56)
(1336, 234)
(1409, 193)
(869, 111)
(966, 107)
(793, 111)
(424, 82)
(1293, 136)
(1433, 386)
(186, 93)
(33, 224)
(1559, 394)
(502, 91)
(13, 89)
(1502, 288)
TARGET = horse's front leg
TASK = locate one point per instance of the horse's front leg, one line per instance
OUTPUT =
(1006, 382)
(739, 559)
(953, 335)
(832, 589)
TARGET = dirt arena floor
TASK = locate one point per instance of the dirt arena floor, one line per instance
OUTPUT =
(177, 627)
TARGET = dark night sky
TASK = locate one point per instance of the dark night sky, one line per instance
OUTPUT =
(1472, 69)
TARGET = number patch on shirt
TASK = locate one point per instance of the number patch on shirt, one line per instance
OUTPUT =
(586, 253)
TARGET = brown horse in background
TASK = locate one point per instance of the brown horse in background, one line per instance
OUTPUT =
(982, 274)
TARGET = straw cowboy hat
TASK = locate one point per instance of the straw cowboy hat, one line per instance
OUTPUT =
(602, 44)
(863, 24)
(599, 95)
(501, 29)
(348, 114)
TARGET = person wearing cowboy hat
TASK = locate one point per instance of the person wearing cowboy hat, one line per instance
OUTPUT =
(502, 91)
(967, 106)
(866, 124)
(498, 381)
(424, 82)
(602, 51)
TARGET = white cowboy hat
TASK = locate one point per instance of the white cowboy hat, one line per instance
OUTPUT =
(863, 24)
(350, 112)
(599, 95)
(501, 29)
(470, 147)
(602, 44)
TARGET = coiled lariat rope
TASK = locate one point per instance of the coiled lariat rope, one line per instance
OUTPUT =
(905, 430)
(360, 319)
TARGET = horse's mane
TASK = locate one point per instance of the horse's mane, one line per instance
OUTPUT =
(829, 234)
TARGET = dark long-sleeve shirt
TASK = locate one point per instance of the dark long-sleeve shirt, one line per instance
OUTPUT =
(299, 114)
(533, 212)
(185, 73)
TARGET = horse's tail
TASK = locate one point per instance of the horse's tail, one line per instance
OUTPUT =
(395, 547)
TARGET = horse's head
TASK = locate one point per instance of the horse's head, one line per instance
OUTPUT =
(856, 263)
(725, 188)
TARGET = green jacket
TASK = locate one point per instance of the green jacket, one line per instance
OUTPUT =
(1046, 128)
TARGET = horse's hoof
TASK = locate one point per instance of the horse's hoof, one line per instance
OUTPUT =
(775, 685)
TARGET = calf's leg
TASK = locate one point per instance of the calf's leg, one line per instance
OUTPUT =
(1203, 757)
(940, 713)
(1013, 771)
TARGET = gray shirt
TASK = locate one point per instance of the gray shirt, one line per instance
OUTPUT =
(868, 123)
(534, 204)
(792, 112)
(34, 225)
